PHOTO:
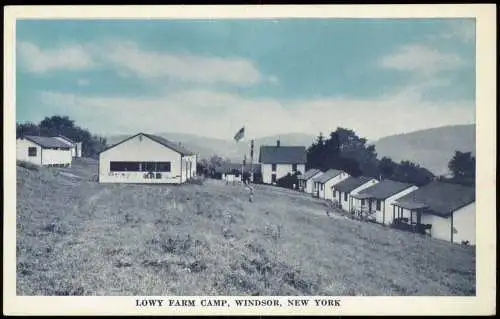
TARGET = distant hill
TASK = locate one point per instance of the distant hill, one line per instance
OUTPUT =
(431, 148)
(206, 146)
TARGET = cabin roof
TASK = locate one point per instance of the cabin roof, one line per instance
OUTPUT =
(326, 176)
(309, 174)
(439, 198)
(352, 183)
(385, 189)
(47, 142)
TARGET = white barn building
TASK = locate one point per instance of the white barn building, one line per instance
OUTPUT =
(323, 183)
(449, 210)
(375, 202)
(306, 180)
(277, 161)
(146, 158)
(76, 147)
(343, 191)
(43, 151)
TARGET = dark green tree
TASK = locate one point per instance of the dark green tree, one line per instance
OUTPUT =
(463, 167)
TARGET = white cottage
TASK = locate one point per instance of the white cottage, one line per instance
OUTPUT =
(76, 147)
(146, 158)
(277, 161)
(375, 202)
(324, 182)
(445, 211)
(43, 151)
(306, 180)
(343, 191)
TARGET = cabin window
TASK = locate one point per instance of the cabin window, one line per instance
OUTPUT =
(31, 151)
(124, 166)
(273, 178)
(345, 197)
(163, 166)
(148, 167)
(362, 202)
(273, 167)
(378, 204)
(294, 168)
(334, 194)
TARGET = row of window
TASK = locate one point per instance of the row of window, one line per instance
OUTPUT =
(139, 166)
(294, 167)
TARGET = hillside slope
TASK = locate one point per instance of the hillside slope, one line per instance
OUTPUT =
(431, 148)
(78, 237)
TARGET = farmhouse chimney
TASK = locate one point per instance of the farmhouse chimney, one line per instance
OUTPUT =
(278, 143)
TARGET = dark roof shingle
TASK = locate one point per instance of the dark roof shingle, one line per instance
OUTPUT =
(352, 183)
(328, 175)
(48, 142)
(282, 155)
(385, 189)
(309, 174)
(439, 198)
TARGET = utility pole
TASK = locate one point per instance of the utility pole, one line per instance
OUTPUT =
(251, 161)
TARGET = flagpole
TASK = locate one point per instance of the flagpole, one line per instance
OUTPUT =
(251, 161)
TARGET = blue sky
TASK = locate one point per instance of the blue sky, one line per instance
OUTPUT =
(210, 77)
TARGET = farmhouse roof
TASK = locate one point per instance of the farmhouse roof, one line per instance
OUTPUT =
(326, 176)
(439, 198)
(47, 142)
(384, 189)
(352, 183)
(282, 155)
(163, 141)
(309, 174)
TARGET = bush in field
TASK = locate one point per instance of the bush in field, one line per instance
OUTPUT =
(289, 180)
(27, 165)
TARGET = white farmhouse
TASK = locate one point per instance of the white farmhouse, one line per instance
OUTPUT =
(277, 161)
(447, 211)
(146, 158)
(306, 180)
(375, 202)
(43, 151)
(324, 182)
(343, 191)
(76, 147)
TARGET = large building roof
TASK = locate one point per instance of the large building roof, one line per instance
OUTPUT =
(352, 183)
(384, 189)
(439, 198)
(326, 176)
(47, 142)
(309, 174)
(282, 155)
(163, 141)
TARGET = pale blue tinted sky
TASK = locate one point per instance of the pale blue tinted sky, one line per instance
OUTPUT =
(210, 77)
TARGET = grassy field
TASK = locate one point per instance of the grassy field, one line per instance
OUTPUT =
(78, 237)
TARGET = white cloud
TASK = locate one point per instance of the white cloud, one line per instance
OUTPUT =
(219, 114)
(68, 57)
(421, 59)
(128, 59)
(192, 68)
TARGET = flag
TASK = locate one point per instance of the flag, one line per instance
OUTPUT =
(240, 134)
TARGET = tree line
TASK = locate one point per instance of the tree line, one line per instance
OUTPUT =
(62, 125)
(346, 151)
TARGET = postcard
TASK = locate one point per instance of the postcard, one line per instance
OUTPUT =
(236, 160)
